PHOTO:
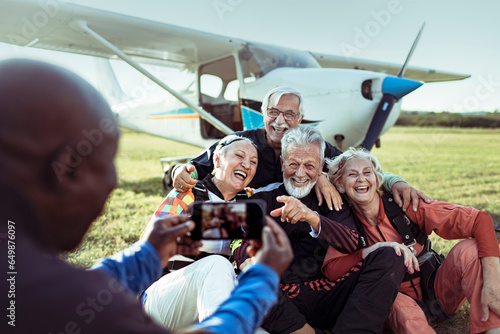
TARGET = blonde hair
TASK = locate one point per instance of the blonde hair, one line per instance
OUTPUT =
(336, 166)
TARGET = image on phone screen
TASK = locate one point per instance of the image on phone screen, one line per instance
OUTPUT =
(235, 220)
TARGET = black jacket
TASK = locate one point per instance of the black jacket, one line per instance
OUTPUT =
(269, 167)
(309, 252)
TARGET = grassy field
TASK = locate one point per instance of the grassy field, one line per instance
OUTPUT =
(454, 165)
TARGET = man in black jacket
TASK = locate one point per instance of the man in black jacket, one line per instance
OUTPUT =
(359, 301)
(282, 109)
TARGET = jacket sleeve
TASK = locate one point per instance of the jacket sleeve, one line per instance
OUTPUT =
(337, 264)
(330, 152)
(239, 249)
(452, 221)
(136, 267)
(338, 236)
(249, 302)
(389, 181)
(174, 204)
(338, 229)
(204, 163)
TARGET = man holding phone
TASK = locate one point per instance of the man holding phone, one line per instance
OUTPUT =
(51, 196)
(308, 299)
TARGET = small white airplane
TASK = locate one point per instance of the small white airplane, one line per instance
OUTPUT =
(352, 101)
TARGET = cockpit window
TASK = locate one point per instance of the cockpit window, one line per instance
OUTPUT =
(258, 60)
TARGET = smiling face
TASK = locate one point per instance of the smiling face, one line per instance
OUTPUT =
(359, 182)
(276, 127)
(236, 167)
(301, 168)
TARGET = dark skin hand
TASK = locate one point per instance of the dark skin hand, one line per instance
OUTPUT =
(274, 249)
(168, 237)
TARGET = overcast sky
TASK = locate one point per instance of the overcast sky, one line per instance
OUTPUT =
(460, 36)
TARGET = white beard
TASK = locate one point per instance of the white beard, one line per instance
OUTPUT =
(298, 192)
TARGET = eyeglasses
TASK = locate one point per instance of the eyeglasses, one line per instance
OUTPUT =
(287, 115)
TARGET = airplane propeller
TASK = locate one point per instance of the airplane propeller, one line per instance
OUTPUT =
(393, 89)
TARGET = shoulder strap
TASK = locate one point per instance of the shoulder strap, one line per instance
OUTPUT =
(410, 232)
(362, 239)
(200, 192)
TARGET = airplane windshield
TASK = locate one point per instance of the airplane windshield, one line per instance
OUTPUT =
(258, 60)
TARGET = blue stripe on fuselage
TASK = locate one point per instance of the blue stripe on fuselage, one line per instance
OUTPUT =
(251, 118)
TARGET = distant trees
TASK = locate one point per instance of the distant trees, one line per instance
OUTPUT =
(447, 119)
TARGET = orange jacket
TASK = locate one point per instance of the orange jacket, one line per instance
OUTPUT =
(449, 221)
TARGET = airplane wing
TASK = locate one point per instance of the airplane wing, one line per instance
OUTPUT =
(47, 25)
(412, 72)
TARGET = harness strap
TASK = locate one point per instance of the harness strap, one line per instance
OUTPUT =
(409, 231)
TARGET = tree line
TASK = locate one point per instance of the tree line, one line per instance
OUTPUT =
(448, 119)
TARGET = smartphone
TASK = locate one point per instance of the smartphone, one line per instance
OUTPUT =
(233, 220)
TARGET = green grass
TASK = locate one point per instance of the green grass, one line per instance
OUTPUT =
(448, 164)
(132, 203)
(452, 165)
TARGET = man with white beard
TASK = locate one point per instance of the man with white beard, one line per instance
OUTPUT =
(308, 301)
(283, 109)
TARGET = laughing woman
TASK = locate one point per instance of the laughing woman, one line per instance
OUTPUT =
(191, 294)
(470, 271)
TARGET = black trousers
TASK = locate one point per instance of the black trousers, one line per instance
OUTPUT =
(359, 302)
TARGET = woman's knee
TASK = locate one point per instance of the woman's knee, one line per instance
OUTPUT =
(216, 264)
(386, 256)
(386, 259)
(465, 250)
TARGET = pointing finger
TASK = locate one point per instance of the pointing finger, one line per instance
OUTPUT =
(277, 212)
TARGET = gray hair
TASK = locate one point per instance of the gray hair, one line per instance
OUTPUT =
(224, 143)
(302, 136)
(275, 95)
(336, 166)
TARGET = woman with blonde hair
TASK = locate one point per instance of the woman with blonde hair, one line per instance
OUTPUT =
(471, 270)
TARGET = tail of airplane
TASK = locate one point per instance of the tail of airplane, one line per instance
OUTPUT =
(107, 83)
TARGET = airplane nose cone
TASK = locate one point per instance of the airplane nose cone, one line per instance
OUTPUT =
(399, 87)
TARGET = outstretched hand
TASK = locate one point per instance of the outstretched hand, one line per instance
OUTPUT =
(294, 211)
(274, 249)
(169, 237)
(182, 178)
(404, 194)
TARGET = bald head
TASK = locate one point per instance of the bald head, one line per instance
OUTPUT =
(58, 138)
(45, 104)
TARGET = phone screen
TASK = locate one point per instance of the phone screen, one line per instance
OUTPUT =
(235, 220)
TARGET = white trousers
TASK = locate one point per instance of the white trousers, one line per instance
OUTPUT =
(190, 294)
